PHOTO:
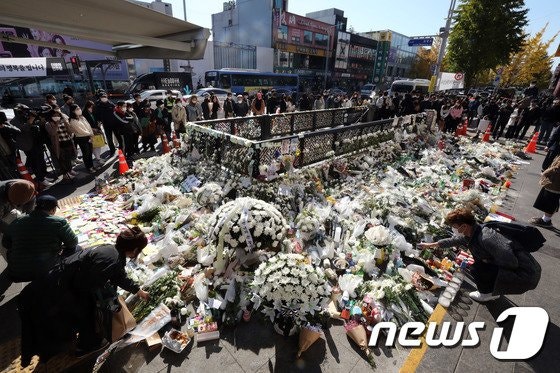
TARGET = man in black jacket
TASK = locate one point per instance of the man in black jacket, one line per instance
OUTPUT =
(530, 116)
(241, 107)
(104, 110)
(228, 106)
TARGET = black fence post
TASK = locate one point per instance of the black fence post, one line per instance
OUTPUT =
(265, 126)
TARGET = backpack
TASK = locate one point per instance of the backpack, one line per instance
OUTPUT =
(528, 237)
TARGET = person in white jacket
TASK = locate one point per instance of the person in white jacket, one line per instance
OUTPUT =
(83, 135)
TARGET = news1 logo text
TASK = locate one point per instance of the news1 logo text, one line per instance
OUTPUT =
(526, 339)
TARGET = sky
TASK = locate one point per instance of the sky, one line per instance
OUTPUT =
(409, 17)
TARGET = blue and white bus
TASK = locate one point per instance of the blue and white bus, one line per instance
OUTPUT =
(252, 81)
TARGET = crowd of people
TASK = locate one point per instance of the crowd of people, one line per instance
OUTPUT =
(66, 283)
(59, 129)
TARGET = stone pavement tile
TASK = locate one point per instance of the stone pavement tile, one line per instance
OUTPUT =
(523, 368)
(251, 344)
(463, 367)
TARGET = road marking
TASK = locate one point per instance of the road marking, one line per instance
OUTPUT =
(415, 356)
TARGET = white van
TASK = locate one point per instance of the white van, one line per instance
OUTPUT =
(409, 85)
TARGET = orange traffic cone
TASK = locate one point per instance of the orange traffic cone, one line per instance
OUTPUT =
(532, 146)
(459, 130)
(465, 127)
(123, 166)
(486, 137)
(176, 141)
(165, 144)
(23, 171)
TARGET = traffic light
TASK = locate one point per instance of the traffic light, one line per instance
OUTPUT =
(75, 60)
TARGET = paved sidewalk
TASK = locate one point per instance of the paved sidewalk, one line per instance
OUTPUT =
(520, 204)
(255, 347)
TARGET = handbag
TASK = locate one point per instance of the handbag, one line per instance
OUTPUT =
(98, 141)
(122, 321)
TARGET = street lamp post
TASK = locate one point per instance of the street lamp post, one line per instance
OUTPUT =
(444, 38)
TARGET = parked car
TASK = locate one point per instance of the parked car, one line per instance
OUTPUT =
(368, 91)
(152, 95)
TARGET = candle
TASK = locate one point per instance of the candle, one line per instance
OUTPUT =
(337, 234)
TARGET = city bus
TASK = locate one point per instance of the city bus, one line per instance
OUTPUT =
(251, 81)
(407, 86)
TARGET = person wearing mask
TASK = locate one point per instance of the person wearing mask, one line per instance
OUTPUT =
(215, 107)
(529, 117)
(50, 100)
(8, 148)
(31, 256)
(68, 101)
(104, 112)
(258, 106)
(206, 106)
(532, 91)
(62, 145)
(503, 117)
(148, 125)
(83, 135)
(123, 126)
(179, 116)
(549, 120)
(319, 103)
(305, 102)
(290, 107)
(53, 311)
(228, 106)
(132, 131)
(96, 128)
(454, 117)
(137, 104)
(240, 108)
(162, 124)
(500, 266)
(272, 105)
(194, 111)
(168, 102)
(30, 140)
(407, 105)
(383, 104)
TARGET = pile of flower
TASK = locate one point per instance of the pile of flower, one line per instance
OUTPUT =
(290, 282)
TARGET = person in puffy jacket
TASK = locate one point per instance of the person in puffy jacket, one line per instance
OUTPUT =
(500, 266)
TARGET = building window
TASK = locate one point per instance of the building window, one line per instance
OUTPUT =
(390, 70)
(321, 40)
(230, 22)
(296, 39)
(307, 37)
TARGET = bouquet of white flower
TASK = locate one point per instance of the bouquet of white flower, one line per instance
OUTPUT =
(308, 224)
(208, 195)
(290, 282)
(248, 224)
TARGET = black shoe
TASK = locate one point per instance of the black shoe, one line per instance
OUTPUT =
(540, 222)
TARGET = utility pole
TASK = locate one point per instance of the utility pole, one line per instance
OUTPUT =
(444, 37)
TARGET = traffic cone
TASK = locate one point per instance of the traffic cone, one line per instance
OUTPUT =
(532, 146)
(123, 166)
(23, 171)
(176, 141)
(465, 127)
(486, 137)
(165, 144)
(459, 130)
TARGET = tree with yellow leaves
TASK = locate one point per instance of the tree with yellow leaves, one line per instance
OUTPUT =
(531, 63)
(424, 61)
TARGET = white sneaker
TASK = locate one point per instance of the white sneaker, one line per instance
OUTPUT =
(481, 297)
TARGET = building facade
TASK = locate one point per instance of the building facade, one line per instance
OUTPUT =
(394, 58)
(157, 5)
(303, 46)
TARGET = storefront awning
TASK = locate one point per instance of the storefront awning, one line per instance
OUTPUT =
(132, 30)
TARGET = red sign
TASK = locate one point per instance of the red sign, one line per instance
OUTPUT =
(459, 76)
